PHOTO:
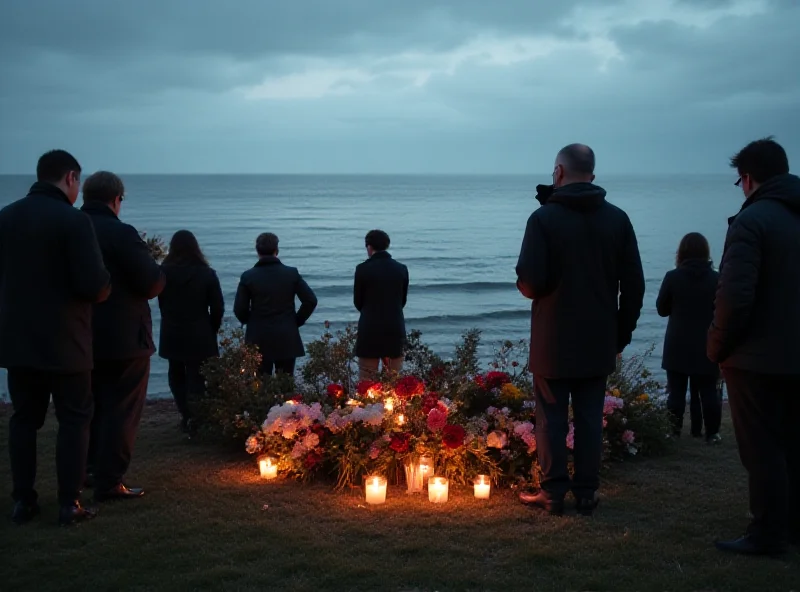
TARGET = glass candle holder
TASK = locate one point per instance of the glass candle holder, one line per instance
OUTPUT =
(437, 490)
(375, 490)
(483, 487)
(267, 467)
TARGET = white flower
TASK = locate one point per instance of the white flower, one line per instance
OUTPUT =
(522, 428)
(311, 440)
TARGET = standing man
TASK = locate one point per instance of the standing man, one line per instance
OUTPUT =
(265, 302)
(754, 337)
(123, 337)
(580, 265)
(51, 272)
(380, 292)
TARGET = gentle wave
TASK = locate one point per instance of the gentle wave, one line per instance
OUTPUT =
(333, 290)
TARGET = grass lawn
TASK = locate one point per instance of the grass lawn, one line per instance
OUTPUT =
(208, 523)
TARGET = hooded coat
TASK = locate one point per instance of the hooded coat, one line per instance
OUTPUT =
(580, 264)
(687, 298)
(757, 308)
(192, 308)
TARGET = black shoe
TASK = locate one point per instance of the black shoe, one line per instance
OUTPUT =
(585, 505)
(714, 439)
(24, 512)
(75, 513)
(118, 492)
(747, 545)
(540, 500)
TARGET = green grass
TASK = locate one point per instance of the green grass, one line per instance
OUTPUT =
(208, 523)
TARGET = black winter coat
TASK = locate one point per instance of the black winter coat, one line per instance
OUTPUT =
(51, 271)
(192, 307)
(580, 264)
(380, 291)
(265, 302)
(687, 298)
(123, 326)
(757, 310)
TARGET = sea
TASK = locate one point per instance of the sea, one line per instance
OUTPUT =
(459, 236)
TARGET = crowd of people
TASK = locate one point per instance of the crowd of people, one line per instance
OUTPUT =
(75, 321)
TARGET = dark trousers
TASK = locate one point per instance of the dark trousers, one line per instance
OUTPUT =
(705, 407)
(30, 392)
(765, 409)
(274, 366)
(552, 426)
(119, 388)
(185, 382)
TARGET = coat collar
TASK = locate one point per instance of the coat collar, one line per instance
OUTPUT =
(381, 255)
(49, 190)
(268, 260)
(99, 209)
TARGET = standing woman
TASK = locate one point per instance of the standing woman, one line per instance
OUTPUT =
(687, 298)
(191, 315)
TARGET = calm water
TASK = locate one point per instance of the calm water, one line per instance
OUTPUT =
(459, 236)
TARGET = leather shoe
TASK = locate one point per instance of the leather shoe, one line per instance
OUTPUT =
(747, 545)
(586, 506)
(540, 500)
(74, 513)
(119, 492)
(24, 512)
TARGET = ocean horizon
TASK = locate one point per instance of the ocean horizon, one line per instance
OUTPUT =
(459, 235)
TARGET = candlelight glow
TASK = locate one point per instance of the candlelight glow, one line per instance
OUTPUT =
(437, 490)
(373, 393)
(482, 487)
(388, 404)
(352, 402)
(401, 419)
(268, 467)
(375, 490)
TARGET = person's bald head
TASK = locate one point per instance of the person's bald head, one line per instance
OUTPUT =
(574, 164)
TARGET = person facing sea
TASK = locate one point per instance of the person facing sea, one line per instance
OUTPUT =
(192, 307)
(265, 303)
(51, 273)
(380, 292)
(578, 256)
(687, 298)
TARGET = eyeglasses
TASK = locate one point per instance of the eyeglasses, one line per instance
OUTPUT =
(738, 182)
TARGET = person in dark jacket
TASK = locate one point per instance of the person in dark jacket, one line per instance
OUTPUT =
(51, 272)
(265, 302)
(380, 292)
(687, 298)
(580, 264)
(123, 338)
(191, 307)
(754, 337)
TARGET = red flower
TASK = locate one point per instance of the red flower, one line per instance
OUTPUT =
(430, 401)
(312, 460)
(514, 364)
(480, 381)
(436, 372)
(335, 391)
(319, 430)
(496, 379)
(297, 399)
(409, 386)
(365, 385)
(400, 442)
(453, 436)
(437, 419)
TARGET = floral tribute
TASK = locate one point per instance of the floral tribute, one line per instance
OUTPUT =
(469, 420)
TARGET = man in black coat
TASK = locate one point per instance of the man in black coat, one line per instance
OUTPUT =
(123, 338)
(380, 292)
(754, 337)
(51, 272)
(580, 265)
(265, 302)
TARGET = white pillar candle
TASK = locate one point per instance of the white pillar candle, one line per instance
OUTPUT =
(482, 487)
(437, 490)
(425, 465)
(375, 489)
(268, 467)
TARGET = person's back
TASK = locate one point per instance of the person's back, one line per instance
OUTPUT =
(380, 292)
(754, 339)
(51, 273)
(587, 256)
(265, 303)
(580, 264)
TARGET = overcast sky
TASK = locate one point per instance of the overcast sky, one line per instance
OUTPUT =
(395, 86)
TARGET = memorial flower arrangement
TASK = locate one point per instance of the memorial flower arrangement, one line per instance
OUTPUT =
(465, 420)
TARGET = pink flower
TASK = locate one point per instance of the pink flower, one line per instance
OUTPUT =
(497, 439)
(437, 419)
(571, 436)
(628, 437)
(611, 404)
(374, 451)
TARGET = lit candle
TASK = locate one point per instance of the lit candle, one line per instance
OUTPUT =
(437, 490)
(482, 487)
(268, 467)
(388, 404)
(376, 490)
(352, 402)
(425, 465)
(401, 419)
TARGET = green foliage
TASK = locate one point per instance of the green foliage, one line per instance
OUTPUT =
(331, 360)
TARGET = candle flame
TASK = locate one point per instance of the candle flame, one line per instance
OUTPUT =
(401, 419)
(388, 404)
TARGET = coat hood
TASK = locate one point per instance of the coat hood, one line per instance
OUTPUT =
(696, 267)
(783, 188)
(579, 196)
